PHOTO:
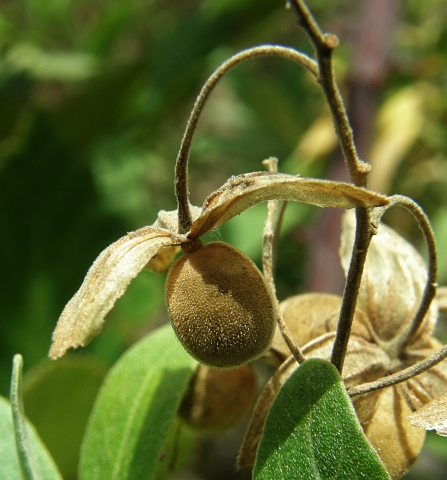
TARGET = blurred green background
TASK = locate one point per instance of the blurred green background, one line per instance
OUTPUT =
(94, 97)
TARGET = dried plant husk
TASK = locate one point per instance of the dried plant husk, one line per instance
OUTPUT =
(432, 416)
(218, 399)
(392, 283)
(310, 315)
(391, 288)
(155, 247)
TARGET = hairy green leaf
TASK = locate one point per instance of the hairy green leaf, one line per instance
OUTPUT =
(22, 453)
(312, 431)
(135, 409)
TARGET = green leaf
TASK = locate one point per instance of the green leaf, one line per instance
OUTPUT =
(52, 389)
(136, 408)
(312, 431)
(22, 453)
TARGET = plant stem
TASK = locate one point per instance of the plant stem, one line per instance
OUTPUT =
(401, 376)
(363, 235)
(181, 167)
(324, 45)
(268, 260)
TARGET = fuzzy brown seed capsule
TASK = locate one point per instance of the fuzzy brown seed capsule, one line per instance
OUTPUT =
(220, 306)
(218, 399)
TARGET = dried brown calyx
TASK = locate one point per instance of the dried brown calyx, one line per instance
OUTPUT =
(218, 399)
(390, 291)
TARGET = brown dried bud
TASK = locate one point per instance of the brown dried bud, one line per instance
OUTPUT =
(221, 308)
(218, 399)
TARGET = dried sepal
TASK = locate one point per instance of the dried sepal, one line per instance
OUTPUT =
(310, 315)
(106, 280)
(432, 416)
(162, 260)
(218, 399)
(154, 247)
(244, 191)
(430, 384)
(392, 283)
(382, 415)
(168, 219)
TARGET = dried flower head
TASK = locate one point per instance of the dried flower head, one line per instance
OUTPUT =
(390, 292)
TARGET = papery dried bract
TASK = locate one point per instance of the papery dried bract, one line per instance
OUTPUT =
(392, 283)
(162, 260)
(382, 415)
(432, 416)
(107, 279)
(218, 399)
(244, 191)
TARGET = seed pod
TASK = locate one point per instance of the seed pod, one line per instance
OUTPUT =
(218, 399)
(220, 306)
(310, 315)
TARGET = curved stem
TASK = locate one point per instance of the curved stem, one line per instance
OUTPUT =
(401, 376)
(408, 335)
(181, 167)
(268, 254)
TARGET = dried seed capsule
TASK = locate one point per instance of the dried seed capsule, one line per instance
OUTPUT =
(310, 315)
(218, 399)
(220, 306)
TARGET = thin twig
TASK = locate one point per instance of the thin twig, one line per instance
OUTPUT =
(324, 45)
(401, 376)
(181, 168)
(268, 254)
(363, 235)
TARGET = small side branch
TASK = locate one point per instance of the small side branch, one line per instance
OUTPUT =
(270, 235)
(401, 376)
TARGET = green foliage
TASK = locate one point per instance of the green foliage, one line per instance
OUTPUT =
(135, 409)
(50, 391)
(312, 431)
(23, 453)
